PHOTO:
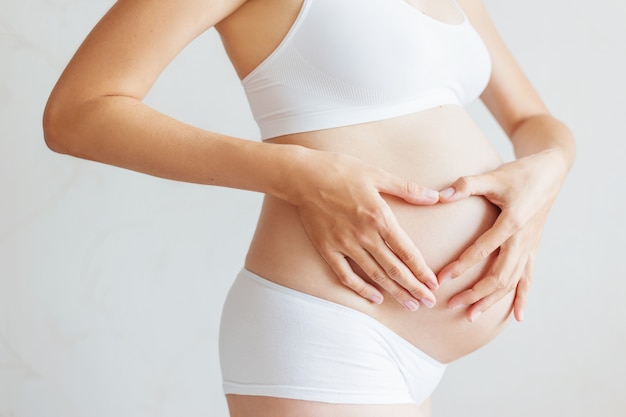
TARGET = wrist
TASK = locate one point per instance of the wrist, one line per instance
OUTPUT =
(561, 158)
(545, 134)
(290, 164)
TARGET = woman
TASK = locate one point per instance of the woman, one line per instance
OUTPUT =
(389, 223)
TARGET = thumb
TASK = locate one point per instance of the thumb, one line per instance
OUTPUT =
(467, 186)
(408, 191)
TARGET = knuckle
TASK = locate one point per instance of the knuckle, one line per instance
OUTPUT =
(484, 305)
(476, 296)
(497, 283)
(410, 188)
(379, 221)
(491, 283)
(421, 276)
(462, 183)
(361, 290)
(348, 280)
(345, 242)
(362, 237)
(394, 272)
(376, 218)
(383, 227)
(510, 285)
(476, 253)
(377, 276)
(325, 247)
(470, 297)
(483, 252)
(418, 293)
(502, 284)
(405, 255)
(515, 222)
(396, 292)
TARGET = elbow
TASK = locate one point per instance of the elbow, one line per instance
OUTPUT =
(54, 124)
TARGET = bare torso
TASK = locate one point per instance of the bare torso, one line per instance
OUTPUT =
(433, 148)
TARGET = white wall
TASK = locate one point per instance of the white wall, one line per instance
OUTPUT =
(111, 282)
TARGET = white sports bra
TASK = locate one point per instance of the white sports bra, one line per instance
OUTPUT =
(345, 62)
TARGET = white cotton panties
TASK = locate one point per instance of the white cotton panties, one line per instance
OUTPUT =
(278, 342)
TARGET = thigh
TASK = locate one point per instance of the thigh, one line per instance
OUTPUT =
(256, 406)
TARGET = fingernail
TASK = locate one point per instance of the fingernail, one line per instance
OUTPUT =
(475, 315)
(432, 194)
(456, 307)
(433, 285)
(448, 272)
(428, 303)
(376, 299)
(445, 277)
(447, 193)
(411, 305)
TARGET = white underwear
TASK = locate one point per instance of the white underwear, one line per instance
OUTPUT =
(278, 342)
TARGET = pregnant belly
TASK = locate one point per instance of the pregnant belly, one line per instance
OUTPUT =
(282, 252)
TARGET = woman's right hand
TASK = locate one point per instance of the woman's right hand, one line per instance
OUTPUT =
(340, 205)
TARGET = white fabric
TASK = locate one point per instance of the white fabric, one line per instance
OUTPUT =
(345, 62)
(278, 342)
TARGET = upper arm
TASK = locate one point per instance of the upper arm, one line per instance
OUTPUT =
(132, 44)
(509, 95)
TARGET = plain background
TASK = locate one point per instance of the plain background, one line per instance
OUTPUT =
(111, 282)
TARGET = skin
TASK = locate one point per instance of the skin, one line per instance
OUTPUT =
(364, 252)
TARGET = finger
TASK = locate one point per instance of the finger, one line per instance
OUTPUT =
(484, 304)
(350, 279)
(502, 229)
(381, 277)
(481, 298)
(500, 279)
(523, 289)
(407, 190)
(483, 294)
(405, 250)
(503, 288)
(467, 186)
(340, 266)
(402, 262)
(398, 280)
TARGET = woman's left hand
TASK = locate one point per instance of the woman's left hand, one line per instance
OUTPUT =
(524, 190)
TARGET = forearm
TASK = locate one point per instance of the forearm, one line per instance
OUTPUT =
(544, 133)
(124, 132)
